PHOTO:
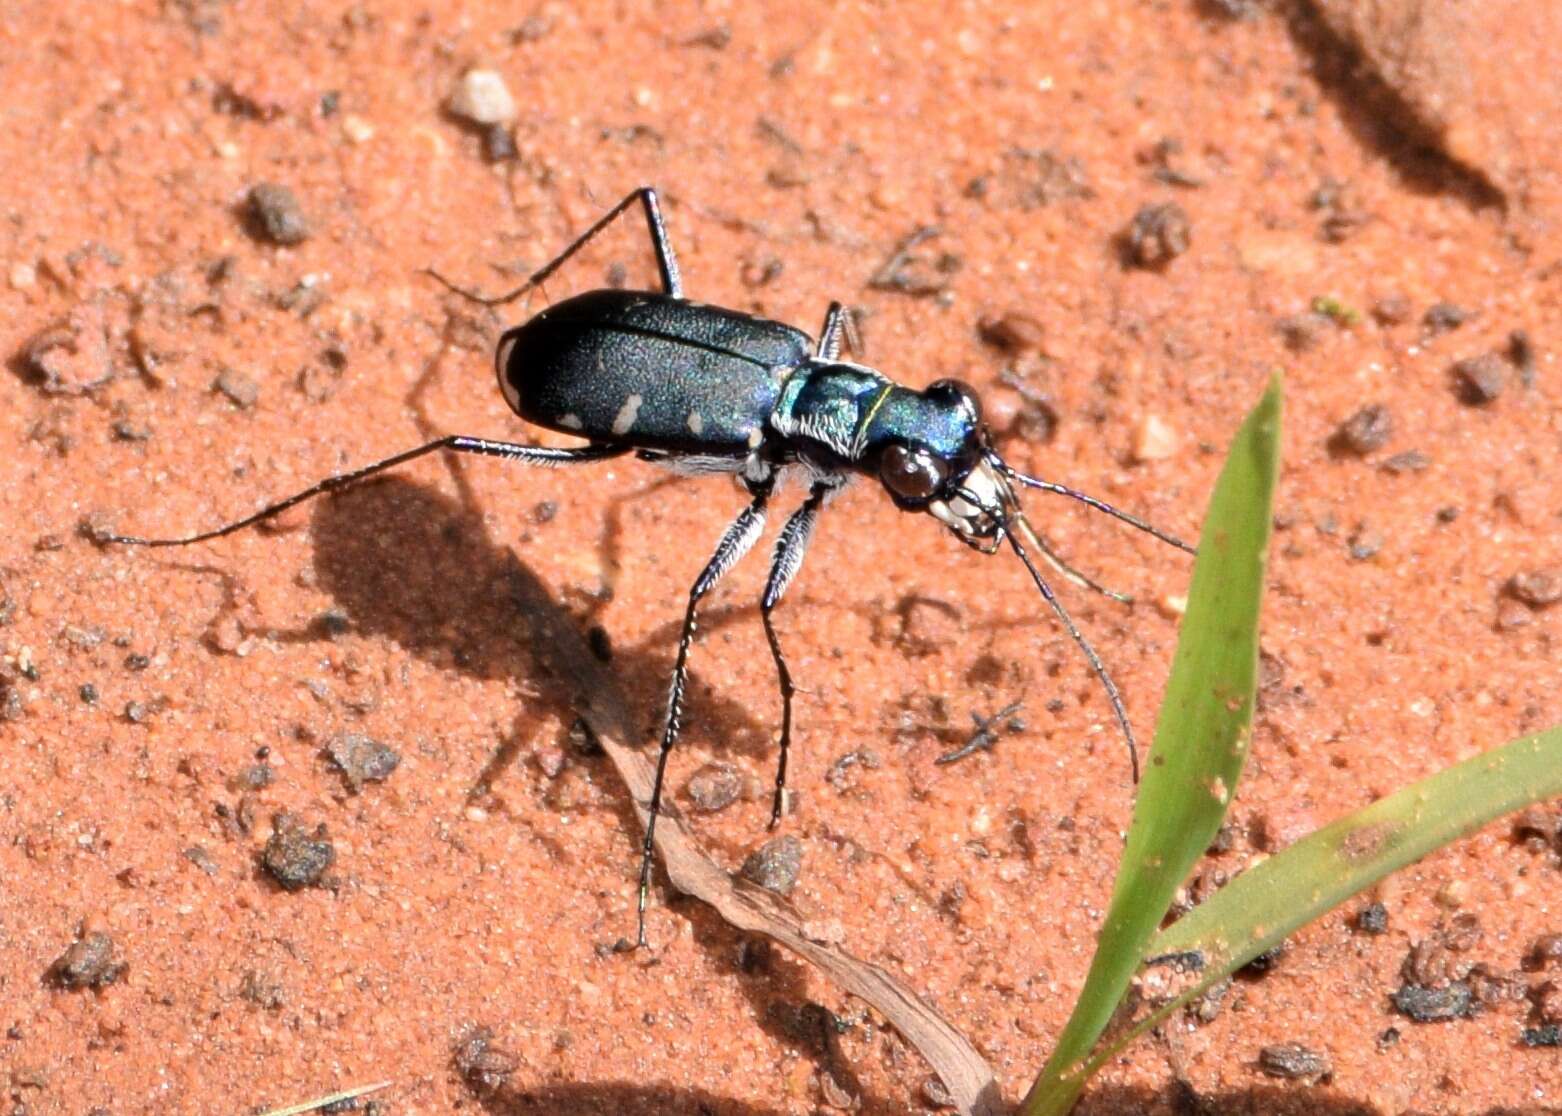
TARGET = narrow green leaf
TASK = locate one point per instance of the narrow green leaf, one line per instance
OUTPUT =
(1269, 902)
(328, 1099)
(1201, 741)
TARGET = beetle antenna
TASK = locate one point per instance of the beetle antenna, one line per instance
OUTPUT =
(1099, 505)
(478, 296)
(1015, 526)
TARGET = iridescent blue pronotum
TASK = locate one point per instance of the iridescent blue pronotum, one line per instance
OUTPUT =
(702, 389)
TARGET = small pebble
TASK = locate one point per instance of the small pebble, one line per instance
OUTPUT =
(715, 786)
(1521, 353)
(241, 391)
(1480, 379)
(1154, 440)
(1544, 952)
(1158, 234)
(1549, 1035)
(276, 214)
(482, 97)
(1537, 588)
(1372, 919)
(935, 1094)
(1411, 461)
(1293, 1062)
(483, 1066)
(1391, 309)
(1444, 316)
(1452, 895)
(1368, 429)
(775, 865)
(295, 857)
(88, 963)
(1434, 1005)
(1012, 333)
(72, 356)
(361, 759)
(1365, 543)
(499, 143)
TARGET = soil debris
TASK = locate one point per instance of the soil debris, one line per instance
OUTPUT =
(908, 273)
(361, 759)
(715, 786)
(1544, 952)
(1368, 429)
(482, 97)
(1294, 1062)
(1372, 919)
(72, 357)
(1434, 1005)
(89, 962)
(1157, 235)
(1154, 440)
(484, 1067)
(1410, 461)
(241, 390)
(1479, 380)
(775, 865)
(294, 857)
(1537, 588)
(275, 214)
(1444, 317)
(1014, 332)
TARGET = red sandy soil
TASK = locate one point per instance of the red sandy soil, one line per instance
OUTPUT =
(480, 884)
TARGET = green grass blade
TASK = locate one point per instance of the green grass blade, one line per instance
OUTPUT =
(1200, 743)
(1270, 901)
(330, 1098)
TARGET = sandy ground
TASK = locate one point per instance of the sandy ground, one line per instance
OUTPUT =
(173, 362)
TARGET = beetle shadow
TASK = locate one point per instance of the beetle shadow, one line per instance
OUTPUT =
(404, 562)
(618, 1098)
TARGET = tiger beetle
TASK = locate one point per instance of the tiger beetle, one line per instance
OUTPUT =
(702, 389)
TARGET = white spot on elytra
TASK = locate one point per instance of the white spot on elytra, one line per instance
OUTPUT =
(572, 422)
(624, 421)
(754, 437)
(696, 422)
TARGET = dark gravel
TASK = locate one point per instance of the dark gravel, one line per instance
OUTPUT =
(775, 865)
(1372, 919)
(1434, 1005)
(1157, 235)
(361, 759)
(1479, 380)
(1537, 588)
(1293, 1062)
(715, 786)
(295, 857)
(1368, 429)
(88, 963)
(275, 214)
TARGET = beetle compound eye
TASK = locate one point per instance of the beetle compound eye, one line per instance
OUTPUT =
(911, 474)
(957, 393)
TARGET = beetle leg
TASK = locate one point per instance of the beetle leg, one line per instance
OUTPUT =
(528, 455)
(666, 261)
(741, 534)
(839, 323)
(788, 559)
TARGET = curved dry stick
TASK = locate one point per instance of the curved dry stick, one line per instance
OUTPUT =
(596, 698)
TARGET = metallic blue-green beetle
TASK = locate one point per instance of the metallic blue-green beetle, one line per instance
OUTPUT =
(700, 388)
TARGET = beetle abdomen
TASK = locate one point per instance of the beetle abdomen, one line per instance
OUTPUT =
(650, 371)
